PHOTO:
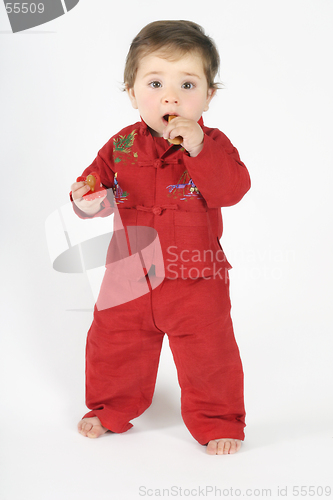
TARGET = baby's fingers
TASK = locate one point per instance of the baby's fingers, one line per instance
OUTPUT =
(79, 189)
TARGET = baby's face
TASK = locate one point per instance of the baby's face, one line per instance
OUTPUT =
(170, 87)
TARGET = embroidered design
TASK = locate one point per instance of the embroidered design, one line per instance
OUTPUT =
(119, 195)
(185, 188)
(123, 144)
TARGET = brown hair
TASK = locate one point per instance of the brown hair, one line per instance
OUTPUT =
(172, 37)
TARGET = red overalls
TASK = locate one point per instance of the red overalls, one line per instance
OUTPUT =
(160, 186)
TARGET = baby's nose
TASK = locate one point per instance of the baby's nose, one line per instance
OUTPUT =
(171, 97)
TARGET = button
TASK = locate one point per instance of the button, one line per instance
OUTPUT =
(158, 163)
(157, 210)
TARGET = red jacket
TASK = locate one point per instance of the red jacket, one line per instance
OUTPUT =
(159, 185)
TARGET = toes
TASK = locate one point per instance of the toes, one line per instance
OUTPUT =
(96, 431)
(91, 427)
(88, 430)
(92, 433)
(84, 427)
(235, 446)
(232, 448)
(212, 448)
(223, 446)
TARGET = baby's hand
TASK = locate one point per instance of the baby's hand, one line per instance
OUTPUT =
(86, 205)
(189, 130)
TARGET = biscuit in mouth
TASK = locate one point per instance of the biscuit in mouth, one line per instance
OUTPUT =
(177, 140)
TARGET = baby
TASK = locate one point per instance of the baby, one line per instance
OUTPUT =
(178, 190)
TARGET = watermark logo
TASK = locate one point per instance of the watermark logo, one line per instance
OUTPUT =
(120, 263)
(25, 15)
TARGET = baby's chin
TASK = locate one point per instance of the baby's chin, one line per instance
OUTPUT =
(154, 133)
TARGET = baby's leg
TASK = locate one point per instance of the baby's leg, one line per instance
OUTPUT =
(122, 355)
(209, 368)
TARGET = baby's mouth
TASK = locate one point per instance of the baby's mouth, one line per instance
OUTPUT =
(166, 117)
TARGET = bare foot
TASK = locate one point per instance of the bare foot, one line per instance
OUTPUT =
(91, 427)
(223, 446)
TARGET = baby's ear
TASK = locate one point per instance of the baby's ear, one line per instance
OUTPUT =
(131, 95)
(210, 94)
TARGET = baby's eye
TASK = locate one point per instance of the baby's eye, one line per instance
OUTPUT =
(187, 85)
(155, 84)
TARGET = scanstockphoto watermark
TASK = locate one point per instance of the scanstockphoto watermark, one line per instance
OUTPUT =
(204, 491)
(254, 264)
(267, 254)
(196, 263)
(26, 15)
(195, 255)
(263, 264)
(218, 492)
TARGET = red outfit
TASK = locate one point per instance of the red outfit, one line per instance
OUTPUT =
(161, 186)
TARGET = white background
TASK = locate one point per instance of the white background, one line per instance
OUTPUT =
(61, 100)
